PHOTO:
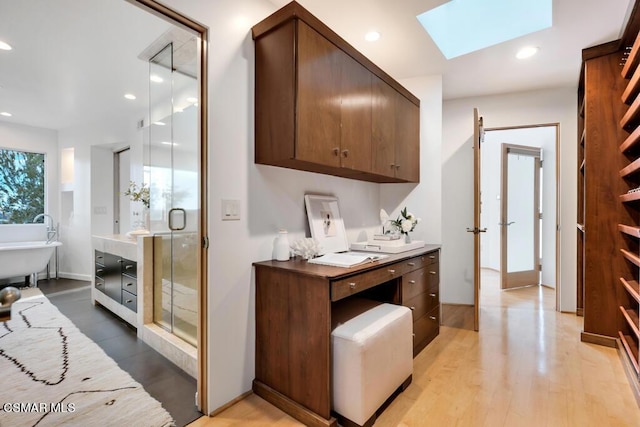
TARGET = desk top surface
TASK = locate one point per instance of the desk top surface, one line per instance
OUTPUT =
(301, 266)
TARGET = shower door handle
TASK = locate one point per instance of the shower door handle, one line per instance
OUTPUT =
(172, 225)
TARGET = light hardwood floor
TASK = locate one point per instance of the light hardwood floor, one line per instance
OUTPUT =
(526, 367)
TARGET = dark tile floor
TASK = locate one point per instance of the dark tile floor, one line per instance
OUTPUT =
(162, 379)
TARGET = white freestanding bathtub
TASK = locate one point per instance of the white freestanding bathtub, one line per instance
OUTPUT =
(24, 250)
(24, 258)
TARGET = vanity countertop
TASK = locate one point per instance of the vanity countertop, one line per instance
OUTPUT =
(116, 244)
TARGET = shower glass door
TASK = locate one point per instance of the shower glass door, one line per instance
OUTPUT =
(173, 175)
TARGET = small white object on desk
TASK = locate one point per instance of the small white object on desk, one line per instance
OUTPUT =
(387, 246)
(282, 250)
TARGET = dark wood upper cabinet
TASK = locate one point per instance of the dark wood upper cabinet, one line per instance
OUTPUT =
(321, 106)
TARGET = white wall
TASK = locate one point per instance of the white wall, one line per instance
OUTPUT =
(528, 108)
(541, 137)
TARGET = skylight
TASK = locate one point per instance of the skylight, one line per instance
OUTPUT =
(463, 26)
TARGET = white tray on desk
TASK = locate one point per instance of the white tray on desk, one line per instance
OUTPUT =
(387, 246)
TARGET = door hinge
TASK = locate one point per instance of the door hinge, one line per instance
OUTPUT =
(205, 242)
(540, 266)
(540, 215)
(541, 162)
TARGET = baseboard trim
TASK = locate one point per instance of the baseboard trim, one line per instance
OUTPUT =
(603, 340)
(74, 276)
(580, 312)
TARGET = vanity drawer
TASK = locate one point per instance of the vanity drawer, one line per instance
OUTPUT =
(422, 303)
(415, 283)
(425, 330)
(130, 301)
(129, 284)
(130, 268)
(99, 257)
(101, 271)
(99, 284)
(359, 282)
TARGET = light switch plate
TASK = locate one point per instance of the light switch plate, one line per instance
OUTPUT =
(230, 210)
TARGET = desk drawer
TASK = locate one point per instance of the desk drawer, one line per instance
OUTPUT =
(359, 282)
(422, 303)
(425, 330)
(418, 281)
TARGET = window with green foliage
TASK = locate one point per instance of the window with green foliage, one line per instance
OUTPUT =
(21, 186)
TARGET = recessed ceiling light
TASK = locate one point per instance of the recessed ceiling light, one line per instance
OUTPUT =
(155, 78)
(5, 46)
(129, 96)
(4, 113)
(169, 143)
(192, 99)
(159, 123)
(372, 36)
(527, 52)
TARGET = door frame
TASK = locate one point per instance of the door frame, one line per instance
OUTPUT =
(557, 180)
(179, 19)
(519, 278)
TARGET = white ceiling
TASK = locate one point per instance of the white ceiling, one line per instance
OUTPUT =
(73, 60)
(406, 50)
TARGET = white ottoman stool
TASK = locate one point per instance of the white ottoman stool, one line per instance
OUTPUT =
(372, 356)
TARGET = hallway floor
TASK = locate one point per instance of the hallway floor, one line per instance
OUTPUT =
(526, 367)
(160, 378)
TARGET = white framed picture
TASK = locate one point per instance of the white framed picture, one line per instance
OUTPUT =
(326, 223)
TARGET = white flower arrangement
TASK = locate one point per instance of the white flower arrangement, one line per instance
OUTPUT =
(406, 222)
(140, 194)
(307, 248)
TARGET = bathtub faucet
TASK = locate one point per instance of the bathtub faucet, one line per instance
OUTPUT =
(51, 229)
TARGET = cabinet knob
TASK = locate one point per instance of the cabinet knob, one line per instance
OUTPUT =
(392, 271)
(99, 257)
(432, 317)
(411, 264)
(352, 285)
(432, 295)
(413, 282)
(432, 257)
(100, 270)
(336, 151)
(98, 285)
(392, 166)
(397, 166)
(345, 153)
(120, 261)
(130, 301)
(432, 272)
(129, 284)
(128, 267)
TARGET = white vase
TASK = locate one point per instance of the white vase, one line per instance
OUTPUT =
(281, 247)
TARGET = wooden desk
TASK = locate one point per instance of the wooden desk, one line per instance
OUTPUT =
(293, 321)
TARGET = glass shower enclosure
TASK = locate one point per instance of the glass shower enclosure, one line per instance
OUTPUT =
(173, 175)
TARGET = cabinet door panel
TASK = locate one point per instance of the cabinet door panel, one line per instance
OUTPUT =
(407, 132)
(383, 128)
(318, 109)
(355, 144)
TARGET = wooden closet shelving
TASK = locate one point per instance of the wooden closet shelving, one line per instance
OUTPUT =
(629, 218)
(634, 167)
(631, 142)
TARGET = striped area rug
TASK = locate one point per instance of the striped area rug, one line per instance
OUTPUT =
(53, 375)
